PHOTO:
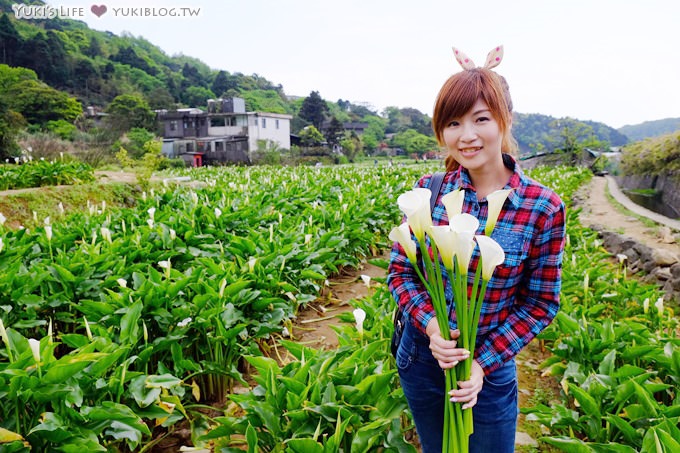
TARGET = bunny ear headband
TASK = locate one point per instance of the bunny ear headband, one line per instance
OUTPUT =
(493, 59)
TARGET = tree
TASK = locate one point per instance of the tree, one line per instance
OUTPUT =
(10, 41)
(10, 124)
(197, 96)
(223, 82)
(414, 142)
(40, 103)
(334, 132)
(314, 109)
(374, 133)
(310, 136)
(127, 111)
(574, 136)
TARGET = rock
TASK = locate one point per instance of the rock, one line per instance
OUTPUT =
(665, 235)
(663, 257)
(524, 439)
(675, 270)
(662, 273)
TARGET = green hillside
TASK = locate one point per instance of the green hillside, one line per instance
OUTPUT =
(650, 129)
(73, 67)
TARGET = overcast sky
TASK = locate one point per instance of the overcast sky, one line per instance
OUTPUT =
(613, 61)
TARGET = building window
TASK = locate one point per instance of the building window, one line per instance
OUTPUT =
(173, 125)
(264, 123)
(219, 146)
(232, 121)
(217, 122)
(277, 124)
(255, 121)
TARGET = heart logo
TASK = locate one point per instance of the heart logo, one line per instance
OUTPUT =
(98, 10)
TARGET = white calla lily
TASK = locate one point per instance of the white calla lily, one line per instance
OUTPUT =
(35, 348)
(48, 232)
(106, 234)
(415, 204)
(3, 219)
(2, 245)
(464, 227)
(402, 235)
(492, 255)
(659, 305)
(445, 239)
(496, 200)
(453, 202)
(366, 279)
(3, 333)
(359, 318)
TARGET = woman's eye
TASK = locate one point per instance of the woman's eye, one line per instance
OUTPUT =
(453, 123)
(483, 118)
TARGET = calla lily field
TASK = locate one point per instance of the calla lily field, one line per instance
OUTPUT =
(122, 328)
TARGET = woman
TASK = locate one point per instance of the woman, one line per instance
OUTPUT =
(472, 120)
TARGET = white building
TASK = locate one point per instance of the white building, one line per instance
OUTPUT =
(225, 133)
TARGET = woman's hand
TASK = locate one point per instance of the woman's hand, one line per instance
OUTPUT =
(445, 351)
(468, 390)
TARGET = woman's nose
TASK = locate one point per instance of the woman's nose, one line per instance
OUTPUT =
(469, 132)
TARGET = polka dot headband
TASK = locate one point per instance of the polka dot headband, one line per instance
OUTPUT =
(493, 59)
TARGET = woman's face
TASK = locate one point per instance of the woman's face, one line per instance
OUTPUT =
(474, 139)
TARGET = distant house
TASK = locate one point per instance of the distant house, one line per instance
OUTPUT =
(357, 127)
(224, 133)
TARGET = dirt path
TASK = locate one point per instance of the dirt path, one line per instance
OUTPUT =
(314, 325)
(598, 210)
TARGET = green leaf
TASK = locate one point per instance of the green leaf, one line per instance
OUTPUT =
(251, 438)
(303, 446)
(129, 324)
(568, 444)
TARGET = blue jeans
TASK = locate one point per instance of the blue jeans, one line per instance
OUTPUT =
(494, 415)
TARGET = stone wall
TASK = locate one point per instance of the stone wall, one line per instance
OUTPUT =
(660, 266)
(667, 184)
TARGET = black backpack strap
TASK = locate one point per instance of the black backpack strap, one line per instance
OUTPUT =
(436, 186)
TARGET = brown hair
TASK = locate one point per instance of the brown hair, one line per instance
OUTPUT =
(460, 92)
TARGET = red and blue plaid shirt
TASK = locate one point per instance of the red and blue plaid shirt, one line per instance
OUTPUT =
(522, 297)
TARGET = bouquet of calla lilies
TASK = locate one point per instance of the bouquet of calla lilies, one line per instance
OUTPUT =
(452, 247)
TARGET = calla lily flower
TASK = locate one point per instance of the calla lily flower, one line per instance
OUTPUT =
(464, 227)
(218, 213)
(492, 255)
(453, 202)
(122, 282)
(402, 235)
(48, 232)
(645, 305)
(415, 204)
(3, 219)
(445, 238)
(151, 212)
(659, 305)
(359, 318)
(87, 328)
(3, 333)
(496, 200)
(35, 349)
(366, 279)
(2, 245)
(106, 234)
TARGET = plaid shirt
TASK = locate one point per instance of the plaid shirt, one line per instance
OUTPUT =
(522, 297)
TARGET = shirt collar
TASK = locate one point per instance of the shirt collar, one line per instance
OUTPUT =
(516, 182)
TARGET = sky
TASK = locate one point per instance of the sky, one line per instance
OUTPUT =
(611, 61)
